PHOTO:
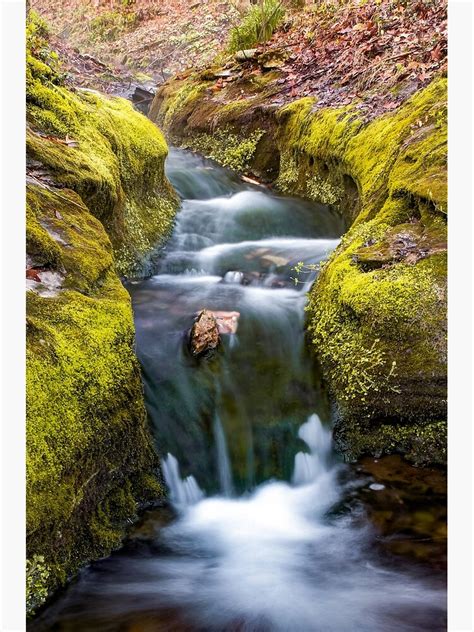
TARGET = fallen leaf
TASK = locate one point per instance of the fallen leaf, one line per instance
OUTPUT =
(32, 273)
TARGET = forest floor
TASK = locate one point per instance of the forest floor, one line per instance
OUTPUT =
(147, 41)
(374, 53)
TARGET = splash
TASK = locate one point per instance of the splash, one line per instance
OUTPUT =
(183, 492)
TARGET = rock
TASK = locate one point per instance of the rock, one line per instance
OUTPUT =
(243, 278)
(142, 98)
(407, 243)
(275, 260)
(234, 276)
(204, 336)
(249, 54)
(273, 59)
(227, 322)
(224, 74)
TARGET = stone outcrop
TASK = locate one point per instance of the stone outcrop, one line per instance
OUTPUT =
(97, 201)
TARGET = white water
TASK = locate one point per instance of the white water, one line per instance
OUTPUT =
(278, 559)
(274, 560)
(223, 462)
(183, 491)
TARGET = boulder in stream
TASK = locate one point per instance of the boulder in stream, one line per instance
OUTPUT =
(204, 337)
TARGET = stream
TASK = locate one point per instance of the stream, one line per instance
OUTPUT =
(267, 529)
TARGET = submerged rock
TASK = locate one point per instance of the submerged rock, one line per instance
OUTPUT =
(204, 336)
(227, 322)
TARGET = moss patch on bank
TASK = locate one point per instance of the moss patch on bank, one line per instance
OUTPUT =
(88, 446)
(376, 316)
(107, 152)
(97, 203)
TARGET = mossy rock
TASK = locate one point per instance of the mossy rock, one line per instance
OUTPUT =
(107, 152)
(88, 445)
(376, 316)
(97, 202)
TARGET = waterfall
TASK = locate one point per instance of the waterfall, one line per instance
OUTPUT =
(182, 491)
(308, 466)
(223, 462)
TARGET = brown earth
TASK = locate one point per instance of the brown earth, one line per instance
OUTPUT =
(375, 53)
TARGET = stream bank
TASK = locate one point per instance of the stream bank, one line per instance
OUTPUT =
(376, 318)
(97, 202)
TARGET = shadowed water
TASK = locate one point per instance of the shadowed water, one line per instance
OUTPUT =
(268, 533)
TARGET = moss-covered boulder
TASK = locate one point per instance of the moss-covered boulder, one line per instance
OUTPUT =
(377, 314)
(97, 202)
(107, 152)
(90, 459)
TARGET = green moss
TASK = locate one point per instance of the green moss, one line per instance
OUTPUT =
(100, 204)
(87, 438)
(39, 243)
(106, 523)
(380, 333)
(227, 148)
(421, 444)
(185, 96)
(115, 161)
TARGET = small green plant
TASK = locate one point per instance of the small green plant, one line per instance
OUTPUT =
(257, 26)
(305, 268)
(37, 574)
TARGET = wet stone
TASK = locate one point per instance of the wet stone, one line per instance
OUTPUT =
(204, 337)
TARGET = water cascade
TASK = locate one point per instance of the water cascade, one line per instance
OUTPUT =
(267, 534)
(182, 491)
(223, 463)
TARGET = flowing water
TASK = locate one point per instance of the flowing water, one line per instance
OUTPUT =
(268, 532)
